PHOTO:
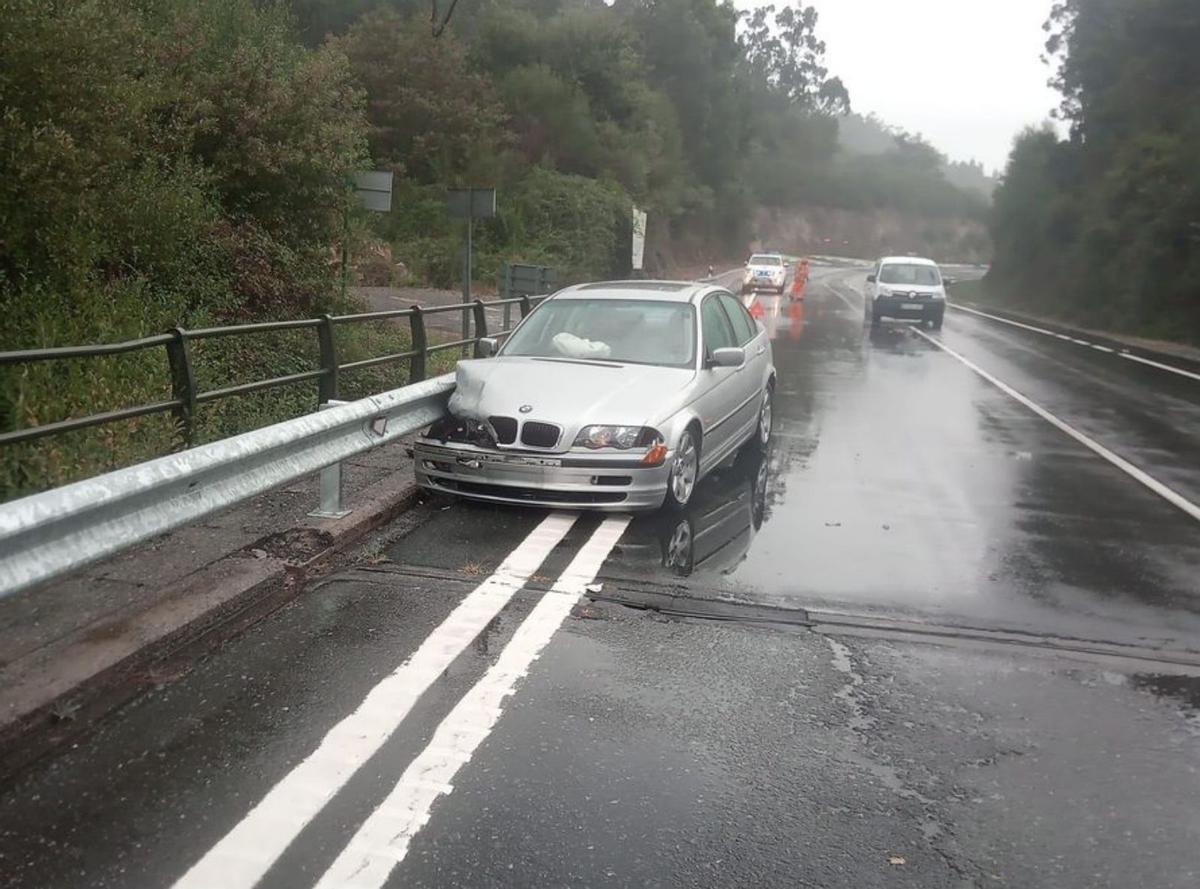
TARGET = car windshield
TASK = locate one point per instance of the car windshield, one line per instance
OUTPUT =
(765, 259)
(909, 273)
(628, 331)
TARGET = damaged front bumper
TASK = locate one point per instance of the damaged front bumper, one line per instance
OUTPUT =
(611, 481)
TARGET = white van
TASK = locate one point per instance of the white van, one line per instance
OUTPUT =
(906, 287)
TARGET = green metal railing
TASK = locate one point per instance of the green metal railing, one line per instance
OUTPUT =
(186, 396)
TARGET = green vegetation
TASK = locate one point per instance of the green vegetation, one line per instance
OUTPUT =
(169, 162)
(575, 110)
(1103, 227)
(185, 163)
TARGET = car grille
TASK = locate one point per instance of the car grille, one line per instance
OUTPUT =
(540, 435)
(540, 495)
(505, 428)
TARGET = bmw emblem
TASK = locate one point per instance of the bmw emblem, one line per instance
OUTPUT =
(525, 408)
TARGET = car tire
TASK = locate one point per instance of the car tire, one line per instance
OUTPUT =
(754, 450)
(876, 318)
(761, 441)
(685, 471)
(935, 322)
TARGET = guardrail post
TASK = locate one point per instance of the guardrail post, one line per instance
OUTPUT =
(480, 324)
(420, 344)
(524, 305)
(330, 506)
(183, 387)
(327, 385)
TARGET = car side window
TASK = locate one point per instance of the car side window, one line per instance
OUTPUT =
(717, 332)
(744, 327)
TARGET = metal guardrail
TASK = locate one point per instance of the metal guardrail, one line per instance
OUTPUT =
(48, 534)
(186, 396)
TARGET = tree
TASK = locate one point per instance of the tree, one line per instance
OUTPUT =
(782, 47)
(431, 116)
(1106, 221)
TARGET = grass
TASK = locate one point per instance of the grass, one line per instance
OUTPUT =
(36, 394)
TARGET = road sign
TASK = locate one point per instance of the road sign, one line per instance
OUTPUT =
(639, 238)
(527, 280)
(373, 188)
(471, 203)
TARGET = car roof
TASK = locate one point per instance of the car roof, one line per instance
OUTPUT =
(657, 291)
(911, 260)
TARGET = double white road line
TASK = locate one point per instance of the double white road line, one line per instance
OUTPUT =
(247, 852)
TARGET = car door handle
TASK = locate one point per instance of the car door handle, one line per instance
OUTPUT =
(761, 350)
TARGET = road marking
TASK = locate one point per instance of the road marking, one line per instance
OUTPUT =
(242, 856)
(383, 840)
(1171, 496)
(1159, 365)
(836, 288)
(1070, 339)
(1040, 330)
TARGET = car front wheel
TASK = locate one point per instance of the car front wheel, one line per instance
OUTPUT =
(685, 471)
(762, 433)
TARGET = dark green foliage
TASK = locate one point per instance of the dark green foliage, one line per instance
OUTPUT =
(1104, 227)
(162, 163)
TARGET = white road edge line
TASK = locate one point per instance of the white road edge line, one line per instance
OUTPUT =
(1171, 496)
(1070, 339)
(241, 858)
(1159, 365)
(383, 839)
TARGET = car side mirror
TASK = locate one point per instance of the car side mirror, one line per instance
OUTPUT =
(871, 278)
(488, 346)
(730, 356)
(948, 281)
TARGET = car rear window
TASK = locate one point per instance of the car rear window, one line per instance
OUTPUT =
(764, 259)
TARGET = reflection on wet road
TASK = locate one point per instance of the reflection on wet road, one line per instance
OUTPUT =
(901, 482)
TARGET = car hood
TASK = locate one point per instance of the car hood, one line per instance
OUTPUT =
(572, 394)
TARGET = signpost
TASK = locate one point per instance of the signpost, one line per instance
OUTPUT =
(373, 190)
(638, 251)
(470, 204)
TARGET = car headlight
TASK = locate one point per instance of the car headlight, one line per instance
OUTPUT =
(883, 291)
(622, 437)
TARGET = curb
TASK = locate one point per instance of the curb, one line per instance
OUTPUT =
(1182, 362)
(64, 689)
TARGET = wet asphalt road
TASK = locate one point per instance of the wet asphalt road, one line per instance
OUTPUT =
(811, 735)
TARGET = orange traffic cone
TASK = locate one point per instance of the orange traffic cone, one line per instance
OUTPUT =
(800, 279)
(756, 309)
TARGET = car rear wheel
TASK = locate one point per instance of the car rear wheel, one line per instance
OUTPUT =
(685, 471)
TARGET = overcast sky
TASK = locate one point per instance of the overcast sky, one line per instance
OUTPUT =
(964, 73)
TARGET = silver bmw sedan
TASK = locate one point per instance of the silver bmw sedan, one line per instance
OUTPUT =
(616, 396)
